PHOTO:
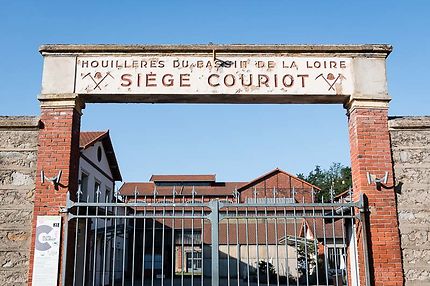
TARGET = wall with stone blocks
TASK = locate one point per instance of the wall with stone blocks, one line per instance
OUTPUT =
(410, 144)
(18, 155)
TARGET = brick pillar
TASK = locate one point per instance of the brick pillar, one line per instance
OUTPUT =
(58, 150)
(371, 152)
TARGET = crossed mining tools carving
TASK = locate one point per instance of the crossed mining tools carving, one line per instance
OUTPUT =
(97, 78)
(331, 80)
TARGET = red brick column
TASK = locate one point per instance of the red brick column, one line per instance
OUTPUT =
(371, 152)
(58, 150)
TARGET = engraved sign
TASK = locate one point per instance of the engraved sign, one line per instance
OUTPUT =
(224, 74)
(47, 251)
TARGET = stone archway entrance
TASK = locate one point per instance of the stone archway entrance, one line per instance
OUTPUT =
(352, 75)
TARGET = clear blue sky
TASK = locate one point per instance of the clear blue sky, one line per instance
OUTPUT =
(237, 142)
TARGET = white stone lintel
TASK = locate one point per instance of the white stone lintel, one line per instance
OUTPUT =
(62, 100)
(367, 103)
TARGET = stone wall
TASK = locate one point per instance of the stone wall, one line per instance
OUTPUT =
(18, 155)
(410, 143)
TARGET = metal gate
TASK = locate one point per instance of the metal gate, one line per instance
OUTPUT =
(159, 240)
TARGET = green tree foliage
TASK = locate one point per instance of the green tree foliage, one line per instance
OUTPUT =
(336, 177)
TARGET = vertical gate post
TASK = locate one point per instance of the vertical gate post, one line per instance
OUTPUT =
(371, 156)
(214, 219)
(58, 151)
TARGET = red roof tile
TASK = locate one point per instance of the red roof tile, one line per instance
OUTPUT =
(274, 172)
(182, 178)
(328, 228)
(87, 139)
(147, 189)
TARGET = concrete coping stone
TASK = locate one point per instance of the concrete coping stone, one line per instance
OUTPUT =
(19, 122)
(409, 122)
(383, 49)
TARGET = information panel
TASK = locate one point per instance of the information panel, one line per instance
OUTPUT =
(47, 251)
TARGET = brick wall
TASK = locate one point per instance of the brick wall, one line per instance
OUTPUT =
(58, 150)
(410, 144)
(371, 153)
(18, 154)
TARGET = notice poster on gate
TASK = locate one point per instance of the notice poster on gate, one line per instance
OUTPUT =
(47, 251)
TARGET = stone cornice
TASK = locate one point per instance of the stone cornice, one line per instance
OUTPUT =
(381, 50)
(19, 122)
(369, 103)
(61, 101)
(409, 122)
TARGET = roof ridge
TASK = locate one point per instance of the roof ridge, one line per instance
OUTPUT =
(277, 169)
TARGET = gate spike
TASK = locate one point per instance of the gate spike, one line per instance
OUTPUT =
(174, 193)
(294, 194)
(98, 193)
(136, 192)
(155, 192)
(79, 194)
(115, 192)
(193, 193)
(236, 194)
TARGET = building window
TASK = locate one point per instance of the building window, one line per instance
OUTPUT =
(99, 153)
(194, 261)
(157, 259)
(190, 237)
(84, 187)
(335, 258)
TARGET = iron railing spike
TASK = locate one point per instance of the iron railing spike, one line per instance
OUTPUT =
(155, 192)
(294, 194)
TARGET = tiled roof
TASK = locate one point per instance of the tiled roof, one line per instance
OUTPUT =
(87, 139)
(213, 188)
(182, 178)
(274, 172)
(328, 228)
(243, 232)
(147, 189)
